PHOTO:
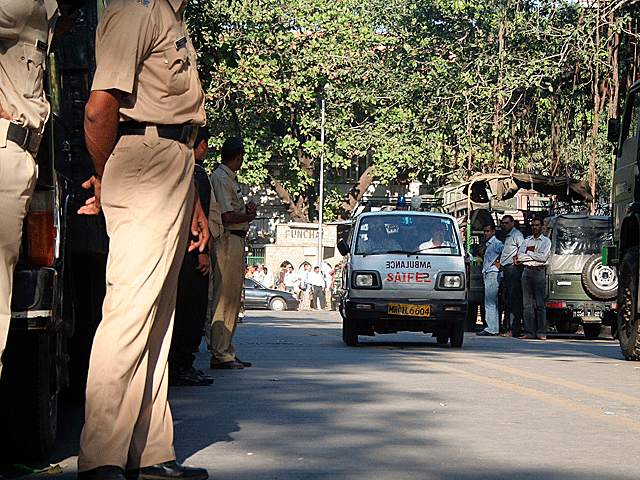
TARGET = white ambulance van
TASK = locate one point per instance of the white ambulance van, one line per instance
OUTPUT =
(403, 271)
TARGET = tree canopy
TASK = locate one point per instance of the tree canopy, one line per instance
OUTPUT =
(430, 89)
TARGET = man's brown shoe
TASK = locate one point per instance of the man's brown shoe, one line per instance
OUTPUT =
(542, 337)
(167, 471)
(507, 334)
(526, 337)
(244, 364)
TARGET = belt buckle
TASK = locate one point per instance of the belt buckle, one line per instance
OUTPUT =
(25, 137)
(34, 142)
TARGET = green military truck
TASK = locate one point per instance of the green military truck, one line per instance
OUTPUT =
(623, 252)
(580, 289)
(59, 283)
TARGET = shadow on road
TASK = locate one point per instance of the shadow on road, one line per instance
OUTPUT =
(311, 407)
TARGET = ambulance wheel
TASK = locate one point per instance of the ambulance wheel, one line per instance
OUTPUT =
(457, 334)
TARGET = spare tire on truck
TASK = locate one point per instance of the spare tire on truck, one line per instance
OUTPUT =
(600, 281)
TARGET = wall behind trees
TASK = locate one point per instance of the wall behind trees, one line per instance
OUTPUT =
(414, 90)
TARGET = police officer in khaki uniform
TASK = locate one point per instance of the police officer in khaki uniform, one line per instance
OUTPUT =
(228, 256)
(26, 32)
(146, 87)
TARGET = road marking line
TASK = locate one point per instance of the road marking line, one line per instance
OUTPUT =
(620, 397)
(592, 412)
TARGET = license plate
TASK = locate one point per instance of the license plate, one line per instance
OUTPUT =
(409, 310)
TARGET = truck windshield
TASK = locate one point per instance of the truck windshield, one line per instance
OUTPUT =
(418, 234)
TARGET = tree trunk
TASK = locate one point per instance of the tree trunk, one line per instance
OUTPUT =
(352, 198)
(499, 100)
(295, 209)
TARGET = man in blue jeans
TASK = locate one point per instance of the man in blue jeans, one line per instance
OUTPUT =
(490, 271)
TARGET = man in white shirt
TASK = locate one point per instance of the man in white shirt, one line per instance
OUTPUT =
(289, 279)
(316, 279)
(512, 278)
(268, 280)
(305, 287)
(534, 255)
(258, 275)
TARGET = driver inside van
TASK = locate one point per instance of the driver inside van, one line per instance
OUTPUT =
(377, 239)
(439, 242)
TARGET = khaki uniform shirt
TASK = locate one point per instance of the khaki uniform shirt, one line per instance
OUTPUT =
(26, 31)
(229, 195)
(143, 50)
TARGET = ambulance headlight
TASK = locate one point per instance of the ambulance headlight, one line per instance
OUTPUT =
(366, 280)
(450, 281)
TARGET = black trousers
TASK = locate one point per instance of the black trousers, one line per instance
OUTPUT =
(191, 312)
(513, 304)
(318, 294)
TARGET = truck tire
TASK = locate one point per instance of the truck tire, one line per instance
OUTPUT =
(600, 281)
(457, 334)
(349, 331)
(628, 333)
(28, 395)
(592, 330)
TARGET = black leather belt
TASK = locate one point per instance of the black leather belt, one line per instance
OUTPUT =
(25, 138)
(238, 233)
(183, 133)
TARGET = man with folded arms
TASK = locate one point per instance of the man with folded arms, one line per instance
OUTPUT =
(534, 255)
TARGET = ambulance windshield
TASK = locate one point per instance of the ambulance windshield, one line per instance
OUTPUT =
(408, 234)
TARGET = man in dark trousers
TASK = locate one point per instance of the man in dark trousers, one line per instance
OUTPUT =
(512, 278)
(193, 288)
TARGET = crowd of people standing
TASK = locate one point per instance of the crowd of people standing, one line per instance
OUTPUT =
(311, 284)
(520, 263)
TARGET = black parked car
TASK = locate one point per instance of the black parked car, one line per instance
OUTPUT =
(257, 295)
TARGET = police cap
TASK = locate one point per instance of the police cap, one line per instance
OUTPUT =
(232, 144)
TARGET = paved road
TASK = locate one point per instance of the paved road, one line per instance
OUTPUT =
(403, 407)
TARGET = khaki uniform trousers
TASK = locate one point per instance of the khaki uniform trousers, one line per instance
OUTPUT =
(228, 281)
(147, 199)
(18, 175)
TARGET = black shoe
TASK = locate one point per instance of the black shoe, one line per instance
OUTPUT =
(167, 470)
(107, 472)
(232, 365)
(190, 377)
(244, 364)
(484, 333)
